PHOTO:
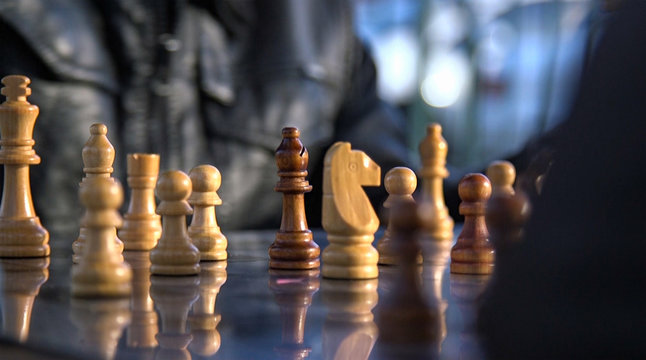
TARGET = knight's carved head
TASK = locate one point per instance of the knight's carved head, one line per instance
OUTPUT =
(345, 204)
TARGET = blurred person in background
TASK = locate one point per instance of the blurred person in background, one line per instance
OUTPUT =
(196, 82)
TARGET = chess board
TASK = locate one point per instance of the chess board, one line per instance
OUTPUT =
(235, 309)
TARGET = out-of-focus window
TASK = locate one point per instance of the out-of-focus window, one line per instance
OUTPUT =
(494, 73)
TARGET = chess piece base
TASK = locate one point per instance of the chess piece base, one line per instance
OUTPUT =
(294, 250)
(211, 243)
(357, 260)
(472, 268)
(23, 238)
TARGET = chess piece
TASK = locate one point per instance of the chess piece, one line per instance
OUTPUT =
(204, 320)
(101, 271)
(174, 253)
(472, 252)
(98, 156)
(294, 247)
(400, 183)
(502, 175)
(438, 224)
(408, 326)
(173, 297)
(293, 290)
(349, 330)
(506, 215)
(21, 234)
(204, 230)
(20, 282)
(141, 332)
(100, 323)
(141, 225)
(348, 217)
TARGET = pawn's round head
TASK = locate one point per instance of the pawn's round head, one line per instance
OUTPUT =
(205, 178)
(290, 132)
(98, 129)
(173, 185)
(474, 188)
(101, 193)
(400, 181)
(501, 173)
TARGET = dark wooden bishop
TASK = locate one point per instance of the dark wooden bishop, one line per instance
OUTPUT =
(294, 247)
(472, 252)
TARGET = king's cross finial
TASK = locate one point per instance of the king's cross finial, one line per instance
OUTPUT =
(15, 88)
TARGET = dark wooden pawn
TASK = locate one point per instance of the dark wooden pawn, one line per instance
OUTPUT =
(505, 217)
(472, 253)
(294, 247)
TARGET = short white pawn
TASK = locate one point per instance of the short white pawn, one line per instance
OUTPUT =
(101, 271)
(400, 183)
(174, 253)
(204, 230)
(502, 175)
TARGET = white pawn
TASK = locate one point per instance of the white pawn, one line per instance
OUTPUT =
(174, 253)
(502, 175)
(101, 271)
(204, 230)
(400, 183)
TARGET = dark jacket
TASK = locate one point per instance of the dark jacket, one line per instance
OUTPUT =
(197, 82)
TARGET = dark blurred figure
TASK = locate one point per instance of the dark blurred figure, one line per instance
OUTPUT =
(197, 82)
(575, 288)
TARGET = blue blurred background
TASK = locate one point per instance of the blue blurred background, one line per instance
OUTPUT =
(493, 73)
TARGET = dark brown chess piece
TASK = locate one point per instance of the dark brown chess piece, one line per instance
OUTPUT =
(293, 292)
(294, 247)
(408, 326)
(505, 218)
(472, 253)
